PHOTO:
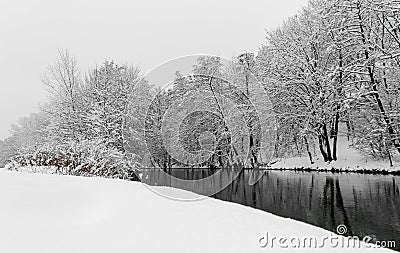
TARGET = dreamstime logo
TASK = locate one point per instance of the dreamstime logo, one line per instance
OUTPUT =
(220, 114)
(330, 241)
(341, 229)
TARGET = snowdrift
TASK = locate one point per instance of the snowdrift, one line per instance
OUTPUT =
(49, 213)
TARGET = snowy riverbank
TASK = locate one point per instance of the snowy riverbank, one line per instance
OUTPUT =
(349, 159)
(50, 213)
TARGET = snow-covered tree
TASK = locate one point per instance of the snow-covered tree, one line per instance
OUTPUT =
(63, 81)
(298, 65)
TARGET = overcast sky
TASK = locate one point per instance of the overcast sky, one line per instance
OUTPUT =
(145, 33)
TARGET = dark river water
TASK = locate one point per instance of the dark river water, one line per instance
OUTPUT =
(368, 205)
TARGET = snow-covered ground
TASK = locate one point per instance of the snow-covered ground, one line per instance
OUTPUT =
(51, 213)
(348, 159)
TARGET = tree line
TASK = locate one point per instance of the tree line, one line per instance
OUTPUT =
(336, 62)
(332, 69)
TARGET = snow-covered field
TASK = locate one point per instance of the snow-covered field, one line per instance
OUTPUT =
(50, 213)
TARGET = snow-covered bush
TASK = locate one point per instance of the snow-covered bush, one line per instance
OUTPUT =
(86, 158)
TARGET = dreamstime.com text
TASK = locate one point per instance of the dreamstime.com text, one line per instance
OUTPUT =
(332, 240)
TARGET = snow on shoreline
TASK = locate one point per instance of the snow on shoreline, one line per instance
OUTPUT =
(303, 164)
(51, 213)
(349, 159)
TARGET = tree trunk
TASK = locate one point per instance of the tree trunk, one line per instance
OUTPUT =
(335, 136)
(327, 144)
(308, 150)
(321, 148)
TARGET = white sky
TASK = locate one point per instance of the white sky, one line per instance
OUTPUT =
(145, 33)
